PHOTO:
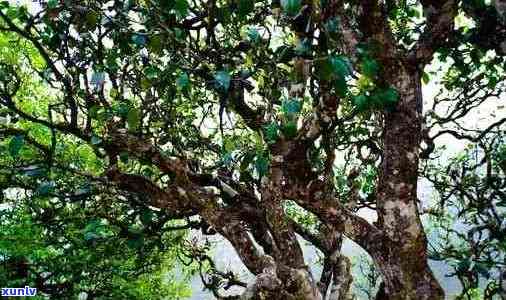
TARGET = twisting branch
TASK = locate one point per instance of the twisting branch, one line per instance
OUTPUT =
(440, 17)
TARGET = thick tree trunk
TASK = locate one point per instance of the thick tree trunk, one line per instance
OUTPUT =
(296, 284)
(403, 259)
(406, 276)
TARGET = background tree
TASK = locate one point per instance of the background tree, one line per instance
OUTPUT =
(62, 234)
(72, 255)
(226, 115)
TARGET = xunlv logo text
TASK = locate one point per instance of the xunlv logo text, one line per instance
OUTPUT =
(19, 292)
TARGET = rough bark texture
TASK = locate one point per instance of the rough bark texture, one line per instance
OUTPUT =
(403, 261)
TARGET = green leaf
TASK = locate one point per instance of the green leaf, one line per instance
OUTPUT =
(425, 78)
(123, 157)
(121, 109)
(413, 12)
(84, 189)
(284, 54)
(145, 84)
(223, 15)
(111, 63)
(113, 93)
(45, 188)
(463, 265)
(303, 46)
(291, 7)
(229, 145)
(253, 35)
(92, 19)
(222, 79)
(97, 79)
(147, 171)
(18, 12)
(483, 270)
(271, 132)
(140, 39)
(331, 25)
(16, 144)
(181, 7)
(323, 69)
(90, 236)
(180, 34)
(369, 67)
(183, 81)
(291, 107)
(492, 82)
(245, 7)
(146, 217)
(360, 102)
(151, 72)
(135, 242)
(95, 140)
(390, 96)
(155, 44)
(341, 86)
(226, 159)
(261, 165)
(340, 66)
(333, 67)
(133, 118)
(289, 129)
(52, 4)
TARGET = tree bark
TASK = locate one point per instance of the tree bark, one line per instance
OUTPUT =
(402, 260)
